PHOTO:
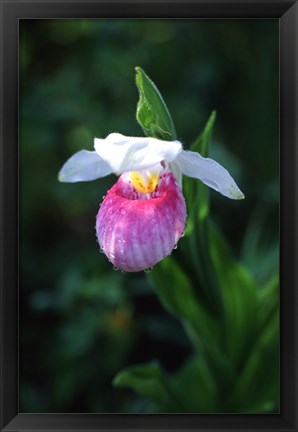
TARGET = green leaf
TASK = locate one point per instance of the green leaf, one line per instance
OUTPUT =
(268, 297)
(201, 144)
(197, 377)
(257, 387)
(152, 113)
(151, 382)
(195, 191)
(204, 329)
(239, 297)
(146, 379)
(259, 255)
(178, 296)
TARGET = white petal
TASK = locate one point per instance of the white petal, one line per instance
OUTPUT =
(83, 166)
(124, 153)
(209, 172)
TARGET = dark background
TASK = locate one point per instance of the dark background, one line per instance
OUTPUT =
(80, 321)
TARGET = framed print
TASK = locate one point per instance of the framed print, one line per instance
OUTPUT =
(148, 215)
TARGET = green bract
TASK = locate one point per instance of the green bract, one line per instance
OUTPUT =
(152, 112)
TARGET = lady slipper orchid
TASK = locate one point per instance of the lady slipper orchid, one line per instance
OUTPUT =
(143, 215)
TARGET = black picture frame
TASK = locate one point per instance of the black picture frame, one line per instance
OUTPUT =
(287, 13)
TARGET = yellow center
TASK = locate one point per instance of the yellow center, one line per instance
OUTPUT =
(145, 182)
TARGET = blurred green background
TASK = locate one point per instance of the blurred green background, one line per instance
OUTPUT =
(80, 321)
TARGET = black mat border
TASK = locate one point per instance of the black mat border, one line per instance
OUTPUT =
(11, 11)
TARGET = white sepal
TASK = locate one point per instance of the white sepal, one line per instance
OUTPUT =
(174, 167)
(124, 153)
(83, 166)
(209, 172)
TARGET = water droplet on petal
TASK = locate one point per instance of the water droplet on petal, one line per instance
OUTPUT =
(183, 234)
(148, 270)
(101, 250)
(175, 247)
(115, 268)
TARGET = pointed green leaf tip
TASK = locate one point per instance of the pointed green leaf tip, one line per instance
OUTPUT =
(201, 144)
(152, 113)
